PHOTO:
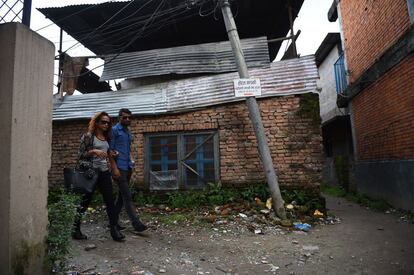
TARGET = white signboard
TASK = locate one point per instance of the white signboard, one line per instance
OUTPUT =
(247, 87)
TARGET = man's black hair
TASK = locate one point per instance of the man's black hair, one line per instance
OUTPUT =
(124, 110)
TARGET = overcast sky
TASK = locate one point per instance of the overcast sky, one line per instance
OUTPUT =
(312, 21)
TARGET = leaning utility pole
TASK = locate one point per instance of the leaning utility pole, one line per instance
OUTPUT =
(254, 112)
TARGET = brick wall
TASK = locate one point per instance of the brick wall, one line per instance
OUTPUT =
(369, 28)
(294, 140)
(384, 116)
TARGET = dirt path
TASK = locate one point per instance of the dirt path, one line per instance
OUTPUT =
(364, 242)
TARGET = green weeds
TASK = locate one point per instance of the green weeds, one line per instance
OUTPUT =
(364, 200)
(62, 211)
(216, 194)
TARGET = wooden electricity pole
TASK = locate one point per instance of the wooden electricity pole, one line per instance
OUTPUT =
(254, 112)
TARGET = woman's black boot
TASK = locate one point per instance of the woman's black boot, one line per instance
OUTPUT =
(116, 234)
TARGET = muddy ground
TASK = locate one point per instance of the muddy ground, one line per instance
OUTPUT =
(356, 241)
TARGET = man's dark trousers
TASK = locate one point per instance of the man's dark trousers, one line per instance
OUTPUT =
(125, 198)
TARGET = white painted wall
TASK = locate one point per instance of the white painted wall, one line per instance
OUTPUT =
(327, 97)
(26, 75)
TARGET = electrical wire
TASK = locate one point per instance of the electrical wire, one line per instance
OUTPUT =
(131, 23)
(66, 17)
(123, 22)
(127, 45)
(120, 33)
(117, 31)
(118, 12)
(147, 29)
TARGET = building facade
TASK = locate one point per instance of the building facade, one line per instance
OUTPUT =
(378, 40)
(188, 150)
(336, 126)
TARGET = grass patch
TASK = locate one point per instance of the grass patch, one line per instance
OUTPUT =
(175, 219)
(335, 191)
(361, 199)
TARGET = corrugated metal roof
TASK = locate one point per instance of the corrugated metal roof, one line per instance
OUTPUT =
(292, 76)
(201, 58)
(105, 28)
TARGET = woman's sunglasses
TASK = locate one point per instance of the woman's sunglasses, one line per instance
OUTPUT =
(103, 122)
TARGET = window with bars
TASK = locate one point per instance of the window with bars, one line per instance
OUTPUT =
(13, 10)
(181, 160)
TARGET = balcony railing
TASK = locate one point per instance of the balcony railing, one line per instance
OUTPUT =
(340, 75)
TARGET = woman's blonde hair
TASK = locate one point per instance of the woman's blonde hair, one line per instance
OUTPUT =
(96, 118)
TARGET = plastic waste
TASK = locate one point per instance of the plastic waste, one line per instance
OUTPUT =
(269, 203)
(303, 226)
(317, 214)
(289, 206)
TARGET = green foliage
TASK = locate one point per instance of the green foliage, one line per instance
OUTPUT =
(309, 108)
(174, 219)
(97, 199)
(308, 199)
(140, 198)
(185, 199)
(62, 209)
(143, 199)
(335, 191)
(342, 171)
(215, 194)
(260, 191)
(300, 196)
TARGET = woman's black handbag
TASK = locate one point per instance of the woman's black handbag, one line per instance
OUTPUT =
(80, 181)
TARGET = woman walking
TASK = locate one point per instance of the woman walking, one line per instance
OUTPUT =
(94, 152)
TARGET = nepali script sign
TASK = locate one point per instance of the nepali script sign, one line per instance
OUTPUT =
(247, 87)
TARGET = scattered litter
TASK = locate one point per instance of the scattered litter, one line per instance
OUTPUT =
(286, 223)
(90, 247)
(303, 227)
(244, 216)
(88, 269)
(273, 268)
(259, 202)
(269, 203)
(317, 214)
(258, 231)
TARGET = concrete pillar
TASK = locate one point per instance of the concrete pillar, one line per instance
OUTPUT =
(26, 75)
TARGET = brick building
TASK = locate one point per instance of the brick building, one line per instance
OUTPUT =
(378, 68)
(229, 156)
(199, 140)
(189, 126)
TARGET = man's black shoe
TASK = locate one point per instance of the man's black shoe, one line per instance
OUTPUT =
(116, 234)
(140, 227)
(120, 227)
(78, 235)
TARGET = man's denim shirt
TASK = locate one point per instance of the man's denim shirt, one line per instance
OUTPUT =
(121, 142)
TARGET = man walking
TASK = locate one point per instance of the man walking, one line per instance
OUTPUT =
(122, 168)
